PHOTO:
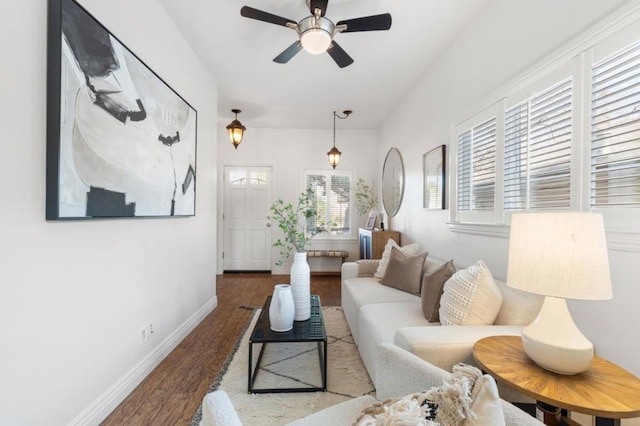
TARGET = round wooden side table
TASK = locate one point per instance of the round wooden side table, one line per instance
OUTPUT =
(605, 390)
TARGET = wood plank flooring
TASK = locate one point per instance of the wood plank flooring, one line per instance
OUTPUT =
(171, 394)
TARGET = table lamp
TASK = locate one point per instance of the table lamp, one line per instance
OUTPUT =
(560, 256)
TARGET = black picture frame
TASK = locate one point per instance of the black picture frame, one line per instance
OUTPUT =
(120, 141)
(434, 178)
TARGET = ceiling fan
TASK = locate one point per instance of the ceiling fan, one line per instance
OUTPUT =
(316, 32)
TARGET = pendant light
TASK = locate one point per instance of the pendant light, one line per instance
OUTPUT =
(236, 130)
(334, 154)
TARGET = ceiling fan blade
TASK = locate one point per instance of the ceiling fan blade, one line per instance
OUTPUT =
(318, 4)
(338, 54)
(249, 12)
(288, 53)
(367, 23)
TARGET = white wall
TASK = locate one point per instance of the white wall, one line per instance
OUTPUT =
(73, 295)
(290, 152)
(505, 39)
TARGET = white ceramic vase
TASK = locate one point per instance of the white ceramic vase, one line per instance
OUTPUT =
(300, 283)
(281, 310)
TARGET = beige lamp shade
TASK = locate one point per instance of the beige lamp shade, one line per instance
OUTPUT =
(559, 254)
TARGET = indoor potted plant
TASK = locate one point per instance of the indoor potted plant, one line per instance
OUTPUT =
(293, 223)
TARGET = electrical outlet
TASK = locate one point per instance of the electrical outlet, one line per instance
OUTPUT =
(143, 334)
(150, 330)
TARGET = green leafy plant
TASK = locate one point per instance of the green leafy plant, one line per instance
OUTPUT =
(293, 223)
(365, 195)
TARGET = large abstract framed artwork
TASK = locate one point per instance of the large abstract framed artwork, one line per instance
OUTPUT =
(120, 141)
(433, 166)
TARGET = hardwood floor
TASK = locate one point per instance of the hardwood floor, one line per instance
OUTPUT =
(171, 394)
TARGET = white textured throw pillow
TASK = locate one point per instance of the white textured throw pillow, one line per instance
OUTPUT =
(485, 404)
(471, 297)
(408, 250)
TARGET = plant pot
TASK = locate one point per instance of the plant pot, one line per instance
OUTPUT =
(300, 286)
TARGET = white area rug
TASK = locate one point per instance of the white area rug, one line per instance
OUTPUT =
(296, 365)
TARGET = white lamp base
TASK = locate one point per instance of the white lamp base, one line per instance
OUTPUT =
(554, 342)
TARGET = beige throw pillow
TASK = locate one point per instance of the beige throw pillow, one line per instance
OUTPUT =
(471, 297)
(409, 250)
(404, 272)
(432, 288)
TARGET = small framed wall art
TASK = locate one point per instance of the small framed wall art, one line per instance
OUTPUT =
(433, 166)
(371, 222)
(120, 141)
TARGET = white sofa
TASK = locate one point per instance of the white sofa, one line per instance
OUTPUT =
(400, 373)
(380, 314)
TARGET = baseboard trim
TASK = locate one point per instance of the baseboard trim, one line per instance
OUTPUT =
(99, 409)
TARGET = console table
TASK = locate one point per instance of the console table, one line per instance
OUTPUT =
(372, 242)
(605, 390)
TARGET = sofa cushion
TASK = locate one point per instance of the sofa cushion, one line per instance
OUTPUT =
(409, 250)
(471, 297)
(446, 346)
(518, 307)
(432, 288)
(377, 323)
(357, 292)
(404, 272)
(340, 414)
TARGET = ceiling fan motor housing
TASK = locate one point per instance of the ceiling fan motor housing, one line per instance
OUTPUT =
(316, 34)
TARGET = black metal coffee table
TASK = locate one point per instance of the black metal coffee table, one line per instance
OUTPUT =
(311, 330)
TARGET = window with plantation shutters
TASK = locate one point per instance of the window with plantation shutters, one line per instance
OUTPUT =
(332, 200)
(615, 130)
(537, 151)
(477, 167)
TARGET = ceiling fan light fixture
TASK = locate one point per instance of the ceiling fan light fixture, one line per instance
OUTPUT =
(315, 41)
(316, 34)
(236, 130)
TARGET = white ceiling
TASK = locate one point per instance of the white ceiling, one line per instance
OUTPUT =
(303, 93)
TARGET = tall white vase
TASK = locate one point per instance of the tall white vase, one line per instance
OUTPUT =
(300, 286)
(282, 310)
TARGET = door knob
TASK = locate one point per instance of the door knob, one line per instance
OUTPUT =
(268, 217)
(268, 225)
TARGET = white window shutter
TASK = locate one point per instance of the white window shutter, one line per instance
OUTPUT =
(477, 167)
(550, 148)
(516, 147)
(615, 130)
(483, 177)
(464, 172)
(537, 148)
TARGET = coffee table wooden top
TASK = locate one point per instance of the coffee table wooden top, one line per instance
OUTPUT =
(605, 390)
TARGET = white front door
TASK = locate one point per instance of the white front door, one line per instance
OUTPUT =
(247, 227)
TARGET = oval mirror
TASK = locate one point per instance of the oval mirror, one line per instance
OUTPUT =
(392, 182)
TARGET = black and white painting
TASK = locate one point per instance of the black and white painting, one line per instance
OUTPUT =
(120, 141)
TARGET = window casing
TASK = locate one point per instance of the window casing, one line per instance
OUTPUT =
(333, 203)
